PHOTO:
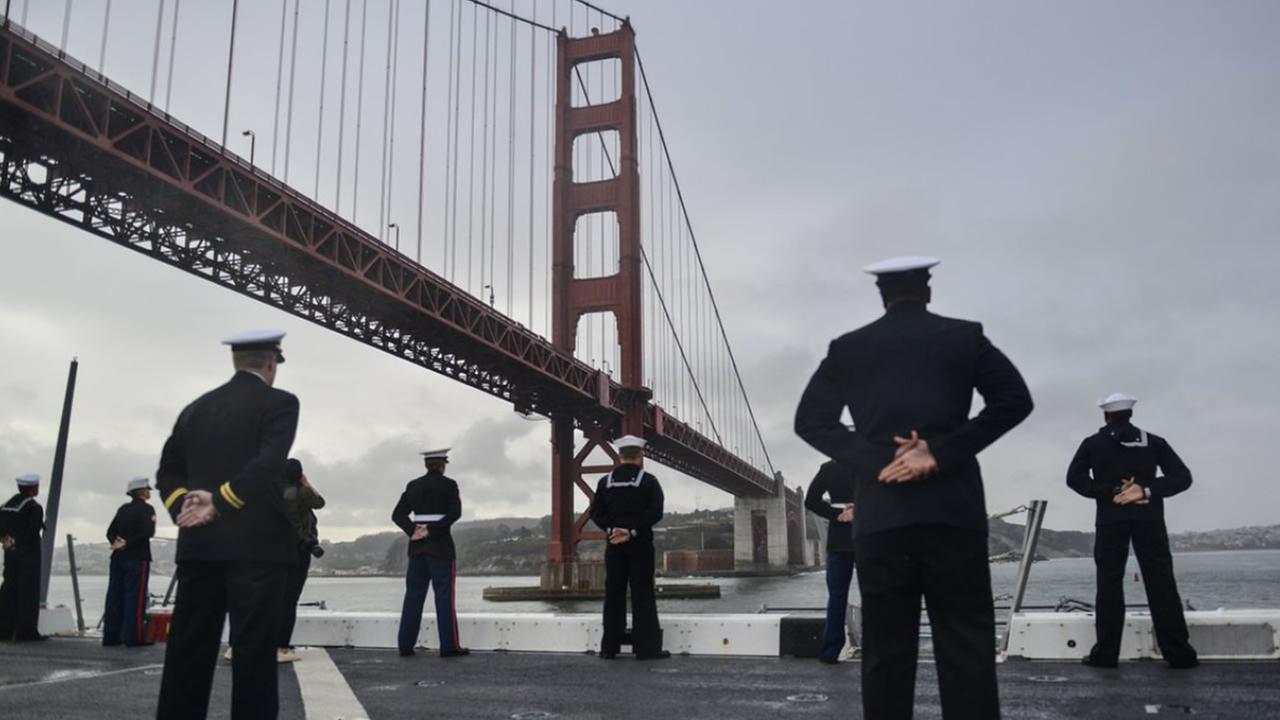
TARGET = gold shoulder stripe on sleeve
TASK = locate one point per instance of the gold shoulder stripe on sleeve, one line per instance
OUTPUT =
(229, 495)
(173, 497)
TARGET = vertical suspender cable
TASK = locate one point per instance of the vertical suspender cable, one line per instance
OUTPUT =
(484, 159)
(293, 68)
(173, 54)
(231, 56)
(391, 152)
(511, 168)
(491, 174)
(155, 56)
(457, 130)
(106, 24)
(386, 115)
(448, 140)
(533, 59)
(355, 179)
(342, 109)
(275, 121)
(422, 127)
(471, 163)
(324, 72)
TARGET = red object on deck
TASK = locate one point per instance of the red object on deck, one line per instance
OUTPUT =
(157, 629)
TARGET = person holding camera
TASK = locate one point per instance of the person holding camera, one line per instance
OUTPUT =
(300, 503)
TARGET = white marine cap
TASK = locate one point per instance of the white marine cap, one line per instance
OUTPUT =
(257, 340)
(138, 483)
(28, 480)
(629, 441)
(905, 263)
(1117, 401)
(441, 454)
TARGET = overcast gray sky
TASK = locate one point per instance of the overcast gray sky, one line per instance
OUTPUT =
(1101, 180)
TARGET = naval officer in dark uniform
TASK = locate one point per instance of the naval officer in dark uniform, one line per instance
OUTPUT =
(130, 534)
(221, 479)
(428, 508)
(1129, 472)
(907, 380)
(627, 504)
(830, 496)
(21, 525)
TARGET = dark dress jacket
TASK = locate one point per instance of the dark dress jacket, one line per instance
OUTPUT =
(432, 494)
(233, 441)
(135, 521)
(913, 370)
(628, 501)
(1120, 451)
(22, 518)
(836, 482)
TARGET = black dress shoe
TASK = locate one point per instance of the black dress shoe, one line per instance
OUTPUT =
(1184, 663)
(660, 655)
(1091, 661)
(829, 660)
(456, 652)
(406, 653)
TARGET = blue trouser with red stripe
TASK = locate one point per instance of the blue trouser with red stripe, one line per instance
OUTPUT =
(126, 602)
(423, 571)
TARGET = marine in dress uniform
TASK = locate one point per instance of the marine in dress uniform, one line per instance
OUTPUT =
(907, 380)
(428, 507)
(221, 476)
(130, 534)
(628, 503)
(21, 524)
(830, 496)
(1129, 472)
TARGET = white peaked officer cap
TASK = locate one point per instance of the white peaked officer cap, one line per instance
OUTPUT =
(629, 441)
(28, 480)
(441, 454)
(138, 483)
(257, 340)
(1117, 401)
(905, 263)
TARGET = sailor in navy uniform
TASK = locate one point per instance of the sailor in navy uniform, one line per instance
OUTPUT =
(130, 534)
(428, 507)
(907, 380)
(627, 504)
(21, 524)
(1117, 468)
(836, 483)
(220, 476)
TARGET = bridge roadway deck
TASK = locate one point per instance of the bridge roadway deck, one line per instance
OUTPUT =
(71, 679)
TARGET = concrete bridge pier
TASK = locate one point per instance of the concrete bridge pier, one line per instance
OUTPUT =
(769, 532)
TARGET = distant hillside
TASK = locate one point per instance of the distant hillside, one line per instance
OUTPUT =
(517, 546)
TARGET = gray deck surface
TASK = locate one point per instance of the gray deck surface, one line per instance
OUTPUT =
(58, 679)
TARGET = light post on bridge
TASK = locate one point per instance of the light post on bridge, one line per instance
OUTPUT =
(394, 226)
(253, 144)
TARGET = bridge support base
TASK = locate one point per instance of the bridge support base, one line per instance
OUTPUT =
(572, 576)
(760, 542)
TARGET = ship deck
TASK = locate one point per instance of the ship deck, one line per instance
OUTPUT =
(77, 678)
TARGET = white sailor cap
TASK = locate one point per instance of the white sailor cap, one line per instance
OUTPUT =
(28, 480)
(629, 441)
(441, 454)
(257, 340)
(1117, 401)
(905, 263)
(138, 483)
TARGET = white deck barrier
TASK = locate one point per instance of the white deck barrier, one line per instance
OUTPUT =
(1216, 635)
